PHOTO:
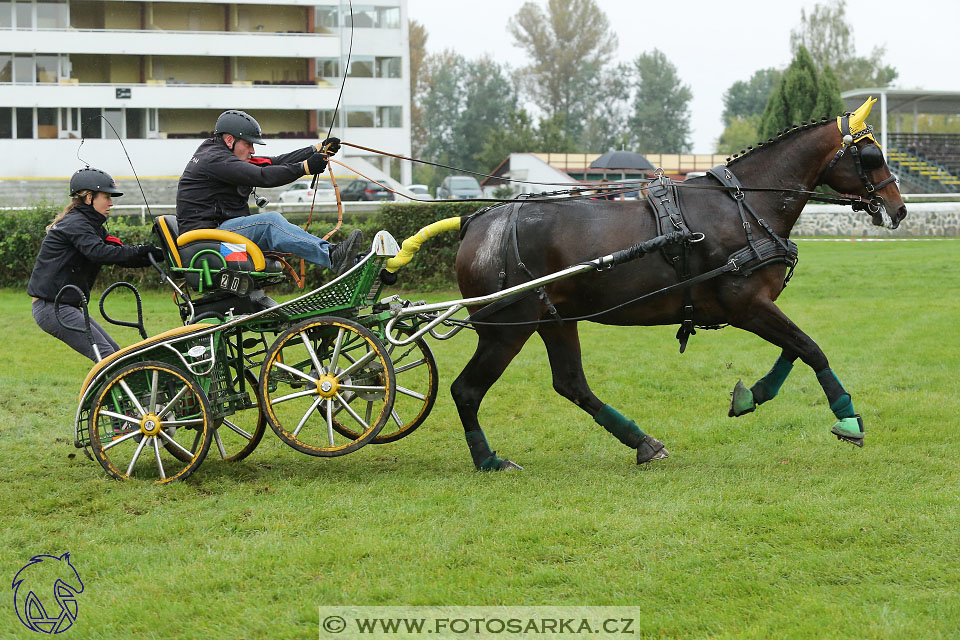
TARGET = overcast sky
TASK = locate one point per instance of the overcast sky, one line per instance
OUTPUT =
(713, 44)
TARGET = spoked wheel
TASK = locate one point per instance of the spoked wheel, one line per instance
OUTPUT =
(310, 380)
(236, 435)
(417, 382)
(143, 412)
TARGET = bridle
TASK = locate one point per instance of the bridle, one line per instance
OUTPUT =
(876, 202)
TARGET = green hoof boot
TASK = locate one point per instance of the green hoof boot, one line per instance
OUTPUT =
(651, 449)
(849, 430)
(741, 401)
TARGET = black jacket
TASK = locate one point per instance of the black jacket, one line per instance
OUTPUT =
(216, 184)
(72, 253)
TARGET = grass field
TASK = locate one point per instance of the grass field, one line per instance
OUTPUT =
(761, 527)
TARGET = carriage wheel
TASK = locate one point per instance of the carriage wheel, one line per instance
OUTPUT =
(238, 434)
(417, 383)
(143, 412)
(310, 375)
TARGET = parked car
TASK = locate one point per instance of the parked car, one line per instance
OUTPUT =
(301, 192)
(361, 189)
(422, 191)
(458, 188)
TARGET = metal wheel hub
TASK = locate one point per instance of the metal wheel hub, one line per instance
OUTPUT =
(151, 424)
(327, 386)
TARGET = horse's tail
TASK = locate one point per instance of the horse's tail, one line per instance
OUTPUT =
(412, 244)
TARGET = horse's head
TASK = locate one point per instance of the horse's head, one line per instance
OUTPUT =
(859, 168)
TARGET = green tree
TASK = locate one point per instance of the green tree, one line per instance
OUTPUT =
(519, 135)
(607, 123)
(568, 45)
(740, 133)
(827, 36)
(488, 99)
(800, 96)
(441, 101)
(418, 53)
(748, 98)
(661, 114)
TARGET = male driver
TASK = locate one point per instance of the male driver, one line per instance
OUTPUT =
(215, 187)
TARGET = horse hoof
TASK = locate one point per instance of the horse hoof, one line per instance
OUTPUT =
(507, 465)
(849, 430)
(651, 449)
(741, 401)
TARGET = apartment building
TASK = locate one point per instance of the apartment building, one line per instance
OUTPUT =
(159, 73)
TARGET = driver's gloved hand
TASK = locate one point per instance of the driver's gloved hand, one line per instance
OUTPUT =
(330, 146)
(315, 164)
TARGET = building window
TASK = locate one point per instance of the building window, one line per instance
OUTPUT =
(23, 69)
(24, 122)
(47, 123)
(51, 15)
(327, 17)
(90, 124)
(390, 117)
(47, 68)
(328, 68)
(6, 67)
(135, 122)
(360, 117)
(6, 122)
(6, 14)
(23, 15)
(374, 17)
(361, 67)
(325, 118)
(388, 67)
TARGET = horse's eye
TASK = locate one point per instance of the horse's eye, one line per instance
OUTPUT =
(871, 157)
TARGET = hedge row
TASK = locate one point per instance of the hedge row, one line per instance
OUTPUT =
(22, 231)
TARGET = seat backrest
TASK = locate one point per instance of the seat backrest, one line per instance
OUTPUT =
(167, 230)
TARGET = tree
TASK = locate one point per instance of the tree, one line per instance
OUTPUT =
(418, 53)
(607, 122)
(745, 99)
(800, 96)
(739, 134)
(828, 38)
(661, 113)
(441, 101)
(488, 100)
(519, 135)
(568, 46)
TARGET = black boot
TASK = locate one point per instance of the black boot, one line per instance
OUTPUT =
(342, 255)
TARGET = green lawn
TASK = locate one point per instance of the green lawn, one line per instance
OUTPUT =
(760, 527)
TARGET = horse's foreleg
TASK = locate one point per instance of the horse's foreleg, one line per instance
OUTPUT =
(770, 323)
(563, 349)
(495, 350)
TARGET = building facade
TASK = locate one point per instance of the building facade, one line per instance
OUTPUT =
(159, 73)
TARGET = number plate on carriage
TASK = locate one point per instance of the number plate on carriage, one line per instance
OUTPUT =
(235, 282)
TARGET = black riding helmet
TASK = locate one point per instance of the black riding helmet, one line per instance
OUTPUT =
(239, 125)
(90, 179)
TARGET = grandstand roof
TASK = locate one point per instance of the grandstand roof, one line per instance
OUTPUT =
(907, 100)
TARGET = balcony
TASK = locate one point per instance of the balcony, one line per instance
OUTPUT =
(170, 96)
(195, 43)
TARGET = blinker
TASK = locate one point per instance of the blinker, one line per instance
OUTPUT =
(871, 157)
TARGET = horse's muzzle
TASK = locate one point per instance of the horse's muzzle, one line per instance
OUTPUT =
(899, 216)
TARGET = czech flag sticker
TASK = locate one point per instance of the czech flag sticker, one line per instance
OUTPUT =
(233, 252)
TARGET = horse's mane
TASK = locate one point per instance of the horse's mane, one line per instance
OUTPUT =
(780, 136)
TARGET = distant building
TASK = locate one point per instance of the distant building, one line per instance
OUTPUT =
(160, 72)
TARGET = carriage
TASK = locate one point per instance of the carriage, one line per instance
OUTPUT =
(318, 368)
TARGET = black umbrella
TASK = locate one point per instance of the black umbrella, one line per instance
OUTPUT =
(622, 160)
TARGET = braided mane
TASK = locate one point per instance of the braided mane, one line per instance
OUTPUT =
(780, 136)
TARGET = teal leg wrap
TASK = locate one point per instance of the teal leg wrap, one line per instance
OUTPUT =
(625, 430)
(483, 458)
(840, 402)
(769, 385)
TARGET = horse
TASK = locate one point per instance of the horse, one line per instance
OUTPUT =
(776, 179)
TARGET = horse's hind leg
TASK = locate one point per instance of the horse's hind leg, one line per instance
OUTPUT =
(563, 349)
(496, 348)
(745, 400)
(769, 322)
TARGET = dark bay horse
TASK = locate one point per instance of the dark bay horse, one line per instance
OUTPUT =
(776, 178)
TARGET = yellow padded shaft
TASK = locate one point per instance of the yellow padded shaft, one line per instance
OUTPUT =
(412, 244)
(219, 235)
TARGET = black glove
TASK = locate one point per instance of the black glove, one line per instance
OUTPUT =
(316, 164)
(330, 146)
(144, 250)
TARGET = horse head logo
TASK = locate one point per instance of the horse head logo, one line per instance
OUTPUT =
(32, 587)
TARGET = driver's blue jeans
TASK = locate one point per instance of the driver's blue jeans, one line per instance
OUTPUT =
(271, 232)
